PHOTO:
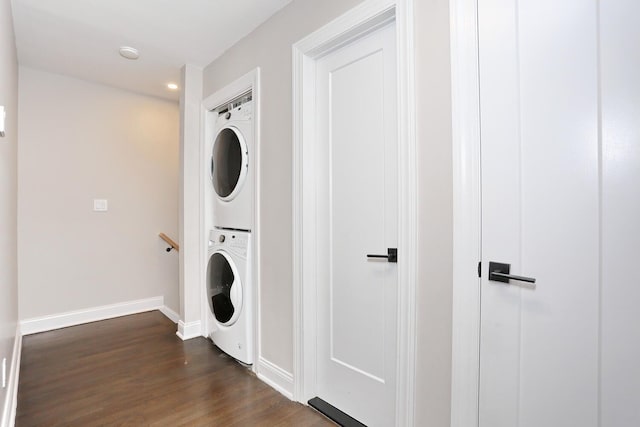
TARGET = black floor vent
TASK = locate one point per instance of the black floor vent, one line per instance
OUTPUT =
(334, 413)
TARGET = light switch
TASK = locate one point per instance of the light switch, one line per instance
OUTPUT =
(3, 115)
(100, 205)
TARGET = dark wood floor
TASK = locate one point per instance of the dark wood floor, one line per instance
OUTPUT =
(134, 371)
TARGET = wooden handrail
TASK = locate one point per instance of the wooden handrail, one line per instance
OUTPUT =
(170, 241)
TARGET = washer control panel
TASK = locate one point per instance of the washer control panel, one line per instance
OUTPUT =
(230, 240)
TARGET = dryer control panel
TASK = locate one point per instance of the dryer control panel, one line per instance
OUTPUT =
(235, 111)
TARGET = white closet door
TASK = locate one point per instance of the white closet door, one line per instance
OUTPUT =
(539, 355)
(358, 186)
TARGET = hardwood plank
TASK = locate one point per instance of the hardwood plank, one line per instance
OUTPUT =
(134, 371)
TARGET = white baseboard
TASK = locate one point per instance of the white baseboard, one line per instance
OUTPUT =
(189, 330)
(171, 315)
(276, 377)
(78, 317)
(11, 398)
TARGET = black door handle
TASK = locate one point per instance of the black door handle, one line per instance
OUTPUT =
(499, 272)
(392, 255)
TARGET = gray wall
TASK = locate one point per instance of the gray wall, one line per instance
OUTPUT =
(80, 141)
(8, 190)
(435, 212)
(270, 48)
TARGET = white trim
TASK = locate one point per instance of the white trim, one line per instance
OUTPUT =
(206, 130)
(466, 213)
(362, 19)
(187, 331)
(248, 82)
(408, 230)
(78, 317)
(191, 207)
(256, 232)
(11, 397)
(169, 313)
(276, 377)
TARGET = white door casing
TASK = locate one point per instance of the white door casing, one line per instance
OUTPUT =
(357, 206)
(465, 117)
(620, 212)
(363, 19)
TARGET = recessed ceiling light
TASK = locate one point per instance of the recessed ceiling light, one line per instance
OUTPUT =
(172, 86)
(129, 52)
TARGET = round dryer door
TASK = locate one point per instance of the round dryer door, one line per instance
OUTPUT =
(229, 163)
(224, 290)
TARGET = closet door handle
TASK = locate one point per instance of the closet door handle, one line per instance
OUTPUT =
(392, 255)
(499, 272)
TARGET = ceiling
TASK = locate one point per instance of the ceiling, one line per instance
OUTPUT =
(81, 38)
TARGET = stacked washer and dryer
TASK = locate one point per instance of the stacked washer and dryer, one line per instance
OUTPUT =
(229, 286)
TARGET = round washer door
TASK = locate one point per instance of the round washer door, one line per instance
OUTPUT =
(229, 162)
(224, 289)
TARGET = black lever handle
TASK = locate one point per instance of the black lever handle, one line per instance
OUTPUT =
(499, 272)
(392, 255)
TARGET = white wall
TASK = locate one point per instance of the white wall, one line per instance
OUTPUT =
(269, 47)
(8, 191)
(81, 141)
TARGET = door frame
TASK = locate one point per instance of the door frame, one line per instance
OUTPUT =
(359, 21)
(465, 94)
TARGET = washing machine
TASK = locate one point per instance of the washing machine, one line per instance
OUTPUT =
(230, 293)
(233, 165)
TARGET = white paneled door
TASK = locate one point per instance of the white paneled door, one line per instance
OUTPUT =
(357, 215)
(559, 97)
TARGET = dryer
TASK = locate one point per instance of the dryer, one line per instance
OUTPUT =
(232, 166)
(229, 293)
